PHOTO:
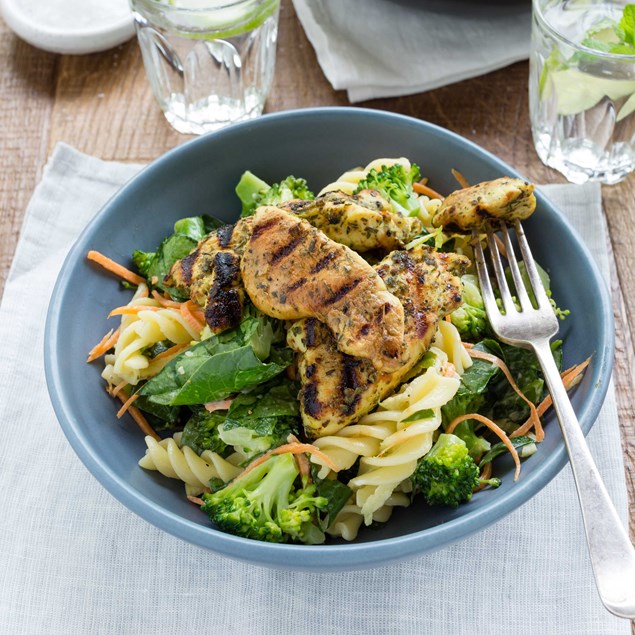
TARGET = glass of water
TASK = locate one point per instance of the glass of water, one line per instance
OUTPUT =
(209, 62)
(582, 88)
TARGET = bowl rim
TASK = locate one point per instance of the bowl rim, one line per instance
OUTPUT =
(348, 556)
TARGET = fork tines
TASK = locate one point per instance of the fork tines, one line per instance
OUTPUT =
(499, 242)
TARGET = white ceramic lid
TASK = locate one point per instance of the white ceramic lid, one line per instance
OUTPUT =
(70, 26)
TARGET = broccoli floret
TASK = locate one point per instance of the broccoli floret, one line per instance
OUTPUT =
(256, 434)
(470, 318)
(249, 189)
(286, 190)
(447, 475)
(254, 192)
(394, 183)
(265, 504)
(477, 446)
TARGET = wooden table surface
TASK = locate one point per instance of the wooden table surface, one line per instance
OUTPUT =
(101, 104)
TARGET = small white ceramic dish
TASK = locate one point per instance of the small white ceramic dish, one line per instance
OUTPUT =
(70, 26)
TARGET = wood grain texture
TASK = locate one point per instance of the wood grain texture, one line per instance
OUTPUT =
(102, 104)
(26, 86)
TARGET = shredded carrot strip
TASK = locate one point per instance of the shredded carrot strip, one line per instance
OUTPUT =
(163, 301)
(118, 388)
(139, 419)
(114, 267)
(534, 417)
(170, 352)
(501, 246)
(461, 180)
(297, 448)
(568, 378)
(421, 188)
(569, 375)
(133, 310)
(303, 465)
(301, 461)
(292, 448)
(498, 431)
(106, 343)
(126, 405)
(196, 500)
(186, 312)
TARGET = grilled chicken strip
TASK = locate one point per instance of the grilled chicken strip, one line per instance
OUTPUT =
(504, 199)
(361, 221)
(292, 270)
(337, 389)
(211, 275)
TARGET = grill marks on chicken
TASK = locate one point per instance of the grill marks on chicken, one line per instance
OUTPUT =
(361, 221)
(338, 389)
(504, 199)
(292, 270)
(211, 275)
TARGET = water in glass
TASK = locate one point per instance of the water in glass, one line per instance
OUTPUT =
(210, 63)
(582, 95)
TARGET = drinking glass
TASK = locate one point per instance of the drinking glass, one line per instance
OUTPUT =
(582, 90)
(209, 62)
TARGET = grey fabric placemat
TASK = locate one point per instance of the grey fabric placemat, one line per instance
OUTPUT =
(376, 48)
(74, 560)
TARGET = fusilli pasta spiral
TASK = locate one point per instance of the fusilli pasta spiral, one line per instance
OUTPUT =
(448, 340)
(182, 463)
(347, 523)
(388, 443)
(140, 330)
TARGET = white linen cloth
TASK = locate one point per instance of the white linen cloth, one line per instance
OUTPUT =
(73, 560)
(377, 48)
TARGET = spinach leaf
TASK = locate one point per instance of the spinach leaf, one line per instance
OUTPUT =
(156, 264)
(201, 431)
(214, 369)
(210, 223)
(265, 402)
(508, 407)
(161, 417)
(192, 227)
(473, 390)
(501, 448)
(426, 413)
(335, 492)
(255, 421)
(262, 418)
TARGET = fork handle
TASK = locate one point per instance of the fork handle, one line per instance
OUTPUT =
(611, 551)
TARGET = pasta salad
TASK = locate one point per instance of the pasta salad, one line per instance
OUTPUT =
(326, 358)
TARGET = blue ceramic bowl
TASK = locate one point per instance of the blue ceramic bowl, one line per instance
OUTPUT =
(200, 176)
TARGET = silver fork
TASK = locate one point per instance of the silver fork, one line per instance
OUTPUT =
(612, 554)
